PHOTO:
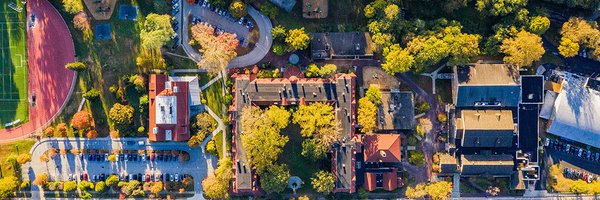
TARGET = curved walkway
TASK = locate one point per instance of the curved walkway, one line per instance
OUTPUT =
(49, 48)
(261, 47)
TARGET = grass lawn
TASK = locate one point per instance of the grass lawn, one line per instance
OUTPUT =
(214, 97)
(292, 157)
(16, 148)
(13, 65)
(219, 143)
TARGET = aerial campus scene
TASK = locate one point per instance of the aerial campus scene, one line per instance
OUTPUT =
(299, 99)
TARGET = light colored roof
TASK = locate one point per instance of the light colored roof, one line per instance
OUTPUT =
(487, 165)
(166, 109)
(577, 112)
(487, 74)
(487, 120)
(548, 106)
(194, 88)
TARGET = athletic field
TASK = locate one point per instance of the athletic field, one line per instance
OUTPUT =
(13, 64)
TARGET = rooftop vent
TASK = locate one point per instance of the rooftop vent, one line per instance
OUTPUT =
(382, 153)
(168, 84)
(155, 130)
(175, 89)
(530, 96)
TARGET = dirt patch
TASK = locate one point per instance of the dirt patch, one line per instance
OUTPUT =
(376, 75)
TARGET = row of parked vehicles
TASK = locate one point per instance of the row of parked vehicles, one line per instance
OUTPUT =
(576, 174)
(175, 23)
(225, 13)
(573, 150)
(132, 157)
(148, 177)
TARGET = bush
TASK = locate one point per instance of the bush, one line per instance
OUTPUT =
(69, 186)
(91, 94)
(422, 107)
(416, 158)
(269, 9)
(279, 49)
(61, 130)
(141, 129)
(211, 147)
(40, 179)
(48, 132)
(85, 195)
(24, 185)
(112, 158)
(194, 141)
(112, 180)
(76, 66)
(85, 185)
(238, 9)
(420, 130)
(442, 117)
(91, 134)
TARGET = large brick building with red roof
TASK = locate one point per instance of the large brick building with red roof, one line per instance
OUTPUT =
(381, 157)
(169, 112)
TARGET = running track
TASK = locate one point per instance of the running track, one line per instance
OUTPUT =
(49, 48)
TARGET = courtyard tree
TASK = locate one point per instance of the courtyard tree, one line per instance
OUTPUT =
(76, 66)
(217, 50)
(73, 6)
(238, 9)
(374, 95)
(313, 150)
(261, 134)
(323, 182)
(397, 60)
(8, 186)
(297, 39)
(82, 120)
(121, 115)
(523, 49)
(568, 48)
(274, 179)
(313, 117)
(157, 30)
(367, 115)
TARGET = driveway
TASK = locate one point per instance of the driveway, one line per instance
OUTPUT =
(263, 23)
(61, 166)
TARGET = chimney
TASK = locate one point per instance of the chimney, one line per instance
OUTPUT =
(498, 116)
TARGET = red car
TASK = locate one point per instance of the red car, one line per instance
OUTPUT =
(85, 176)
(152, 157)
(147, 178)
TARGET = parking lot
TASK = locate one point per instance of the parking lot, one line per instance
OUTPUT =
(573, 156)
(222, 20)
(137, 160)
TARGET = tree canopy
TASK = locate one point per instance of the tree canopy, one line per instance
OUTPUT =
(8, 186)
(73, 6)
(261, 134)
(121, 115)
(323, 182)
(523, 49)
(367, 115)
(217, 50)
(313, 117)
(157, 31)
(82, 120)
(500, 7)
(274, 179)
(297, 39)
(577, 32)
(238, 9)
(216, 186)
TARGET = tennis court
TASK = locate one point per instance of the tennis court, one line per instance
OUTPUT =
(13, 64)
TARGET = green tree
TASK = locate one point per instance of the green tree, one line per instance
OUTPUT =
(369, 11)
(327, 70)
(462, 47)
(279, 33)
(500, 7)
(313, 71)
(297, 39)
(73, 6)
(121, 115)
(374, 95)
(391, 11)
(8, 186)
(313, 150)
(261, 137)
(69, 186)
(416, 158)
(279, 49)
(367, 115)
(85, 186)
(522, 50)
(91, 94)
(238, 9)
(76, 66)
(100, 187)
(568, 48)
(323, 182)
(313, 117)
(539, 25)
(397, 60)
(439, 190)
(275, 179)
(157, 31)
(112, 181)
(269, 9)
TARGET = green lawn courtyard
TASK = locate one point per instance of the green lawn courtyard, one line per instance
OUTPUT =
(13, 65)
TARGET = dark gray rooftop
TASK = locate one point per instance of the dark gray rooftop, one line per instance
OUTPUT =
(396, 111)
(532, 89)
(488, 95)
(487, 138)
(325, 45)
(487, 165)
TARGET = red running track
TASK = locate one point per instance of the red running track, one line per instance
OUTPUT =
(49, 48)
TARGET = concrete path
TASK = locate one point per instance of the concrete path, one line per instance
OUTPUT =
(58, 168)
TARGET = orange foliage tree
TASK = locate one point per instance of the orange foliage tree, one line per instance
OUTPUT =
(217, 50)
(60, 130)
(82, 120)
(91, 134)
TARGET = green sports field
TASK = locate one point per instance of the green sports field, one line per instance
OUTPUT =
(13, 64)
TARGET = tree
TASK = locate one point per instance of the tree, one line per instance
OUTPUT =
(40, 179)
(85, 195)
(8, 186)
(203, 124)
(539, 25)
(367, 115)
(416, 158)
(85, 185)
(100, 187)
(130, 187)
(48, 132)
(581, 32)
(278, 32)
(217, 51)
(297, 39)
(76, 66)
(73, 6)
(157, 188)
(194, 141)
(279, 49)
(121, 115)
(500, 7)
(261, 134)
(138, 81)
(275, 179)
(369, 11)
(313, 117)
(112, 158)
(313, 150)
(82, 120)
(269, 9)
(81, 21)
(522, 50)
(216, 186)
(374, 95)
(397, 60)
(91, 94)
(69, 186)
(313, 71)
(238, 9)
(149, 59)
(415, 193)
(112, 181)
(157, 31)
(568, 48)
(439, 190)
(61, 130)
(391, 11)
(323, 182)
(24, 158)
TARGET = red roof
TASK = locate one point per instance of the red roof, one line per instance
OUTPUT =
(180, 130)
(382, 148)
(389, 180)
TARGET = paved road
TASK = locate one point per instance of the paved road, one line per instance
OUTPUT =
(198, 166)
(48, 78)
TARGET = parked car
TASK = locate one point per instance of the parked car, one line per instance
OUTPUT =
(177, 177)
(166, 177)
(172, 178)
(147, 179)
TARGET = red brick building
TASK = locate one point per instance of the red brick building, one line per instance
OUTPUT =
(381, 157)
(168, 109)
